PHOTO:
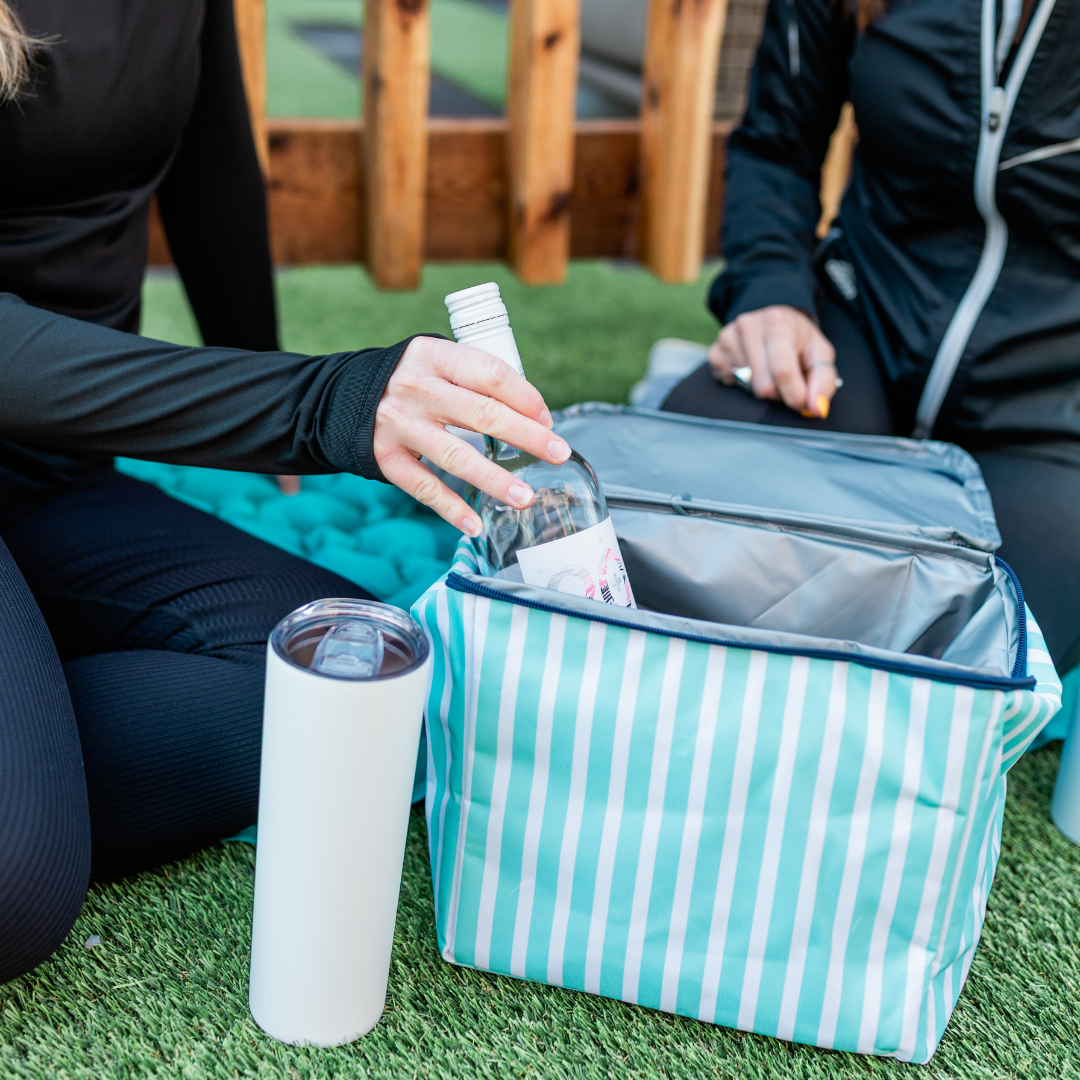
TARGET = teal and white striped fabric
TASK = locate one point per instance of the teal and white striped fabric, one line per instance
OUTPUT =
(796, 846)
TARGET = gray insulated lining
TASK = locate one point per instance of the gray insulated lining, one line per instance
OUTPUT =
(883, 542)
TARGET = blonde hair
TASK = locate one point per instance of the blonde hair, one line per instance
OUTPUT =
(17, 50)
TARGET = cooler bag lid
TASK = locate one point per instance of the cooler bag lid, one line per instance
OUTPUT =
(933, 488)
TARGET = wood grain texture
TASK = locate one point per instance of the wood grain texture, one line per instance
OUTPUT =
(318, 206)
(467, 189)
(836, 171)
(605, 196)
(157, 245)
(250, 16)
(714, 200)
(396, 79)
(316, 192)
(545, 38)
(682, 49)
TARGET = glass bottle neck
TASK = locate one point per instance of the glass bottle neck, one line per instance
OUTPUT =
(504, 452)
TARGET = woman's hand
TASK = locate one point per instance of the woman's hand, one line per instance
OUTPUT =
(789, 358)
(439, 382)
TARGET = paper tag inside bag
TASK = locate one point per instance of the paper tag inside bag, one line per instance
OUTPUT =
(587, 563)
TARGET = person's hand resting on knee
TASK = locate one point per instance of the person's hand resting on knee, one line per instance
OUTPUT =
(789, 358)
(439, 382)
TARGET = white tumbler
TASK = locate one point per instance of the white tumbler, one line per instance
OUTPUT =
(1065, 806)
(345, 687)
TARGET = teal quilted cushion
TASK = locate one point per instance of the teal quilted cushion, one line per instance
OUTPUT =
(370, 533)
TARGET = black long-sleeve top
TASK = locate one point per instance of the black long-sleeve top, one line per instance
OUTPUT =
(129, 98)
(72, 386)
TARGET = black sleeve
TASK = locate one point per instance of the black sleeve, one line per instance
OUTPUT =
(213, 202)
(72, 386)
(774, 158)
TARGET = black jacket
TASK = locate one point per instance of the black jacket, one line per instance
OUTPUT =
(962, 218)
(133, 97)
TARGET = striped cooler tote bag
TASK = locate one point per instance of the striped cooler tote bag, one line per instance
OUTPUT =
(772, 797)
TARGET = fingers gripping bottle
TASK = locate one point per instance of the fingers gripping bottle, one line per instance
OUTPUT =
(565, 539)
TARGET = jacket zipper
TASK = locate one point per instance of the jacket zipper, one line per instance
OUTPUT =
(997, 107)
(458, 583)
(1020, 666)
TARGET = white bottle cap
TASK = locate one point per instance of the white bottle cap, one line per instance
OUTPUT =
(478, 317)
(480, 304)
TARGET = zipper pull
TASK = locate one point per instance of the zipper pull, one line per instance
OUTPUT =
(997, 107)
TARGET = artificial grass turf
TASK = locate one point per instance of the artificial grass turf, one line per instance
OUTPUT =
(300, 80)
(164, 994)
(468, 46)
(586, 340)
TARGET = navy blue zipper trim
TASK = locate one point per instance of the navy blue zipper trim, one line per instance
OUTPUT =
(994, 682)
(1021, 616)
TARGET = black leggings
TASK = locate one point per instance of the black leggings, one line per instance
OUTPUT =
(1035, 488)
(132, 644)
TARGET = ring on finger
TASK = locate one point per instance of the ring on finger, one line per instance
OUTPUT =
(828, 363)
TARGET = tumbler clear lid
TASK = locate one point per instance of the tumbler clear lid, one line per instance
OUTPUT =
(351, 639)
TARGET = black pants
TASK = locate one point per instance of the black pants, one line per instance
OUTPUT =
(132, 638)
(1035, 487)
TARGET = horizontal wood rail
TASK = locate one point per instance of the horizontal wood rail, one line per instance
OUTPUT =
(319, 209)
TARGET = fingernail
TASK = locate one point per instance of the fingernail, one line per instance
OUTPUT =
(822, 406)
(558, 450)
(807, 413)
(520, 495)
(470, 526)
(545, 418)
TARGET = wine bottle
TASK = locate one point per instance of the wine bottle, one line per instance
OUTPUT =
(564, 539)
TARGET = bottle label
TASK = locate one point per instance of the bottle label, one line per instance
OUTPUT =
(586, 563)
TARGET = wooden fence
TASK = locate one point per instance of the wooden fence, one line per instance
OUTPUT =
(536, 187)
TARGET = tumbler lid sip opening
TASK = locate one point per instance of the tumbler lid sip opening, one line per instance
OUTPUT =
(352, 649)
(351, 639)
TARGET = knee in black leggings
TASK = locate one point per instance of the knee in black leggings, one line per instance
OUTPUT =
(171, 744)
(44, 872)
(44, 819)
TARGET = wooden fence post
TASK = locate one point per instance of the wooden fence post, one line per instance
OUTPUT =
(250, 18)
(396, 80)
(682, 51)
(836, 170)
(544, 43)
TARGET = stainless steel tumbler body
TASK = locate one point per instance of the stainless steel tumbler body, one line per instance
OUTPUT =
(1065, 805)
(345, 687)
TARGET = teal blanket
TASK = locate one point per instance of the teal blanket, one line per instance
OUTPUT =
(370, 533)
